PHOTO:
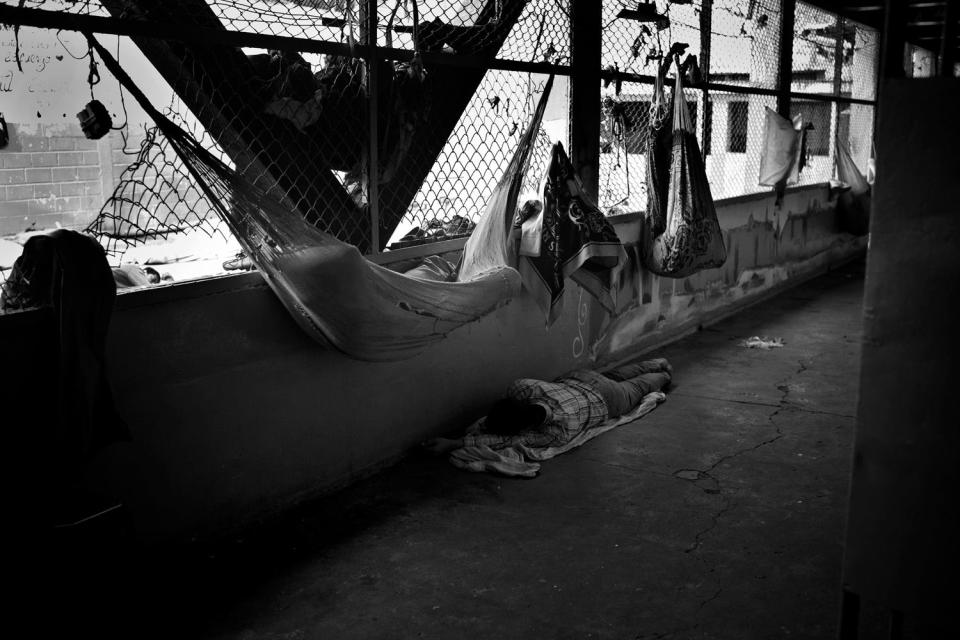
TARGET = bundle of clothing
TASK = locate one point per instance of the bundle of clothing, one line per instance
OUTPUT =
(681, 232)
(564, 234)
(68, 272)
(854, 203)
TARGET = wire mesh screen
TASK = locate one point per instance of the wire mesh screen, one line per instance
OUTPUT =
(299, 124)
(624, 135)
(816, 38)
(540, 28)
(294, 124)
(734, 142)
(855, 129)
(745, 42)
(156, 198)
(453, 193)
(861, 57)
(820, 120)
(537, 29)
(634, 43)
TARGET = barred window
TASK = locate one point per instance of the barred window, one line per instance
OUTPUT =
(737, 117)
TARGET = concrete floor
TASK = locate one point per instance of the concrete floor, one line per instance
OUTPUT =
(719, 515)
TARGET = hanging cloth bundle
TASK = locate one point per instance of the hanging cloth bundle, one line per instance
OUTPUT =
(691, 239)
(568, 236)
(854, 203)
(780, 157)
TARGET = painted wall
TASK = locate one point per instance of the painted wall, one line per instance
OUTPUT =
(235, 413)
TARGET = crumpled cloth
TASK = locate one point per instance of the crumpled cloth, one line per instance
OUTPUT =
(568, 236)
(68, 271)
(765, 343)
(524, 462)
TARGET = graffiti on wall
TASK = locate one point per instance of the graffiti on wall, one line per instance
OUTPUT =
(768, 247)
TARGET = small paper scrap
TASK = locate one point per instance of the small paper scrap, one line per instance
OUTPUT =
(761, 342)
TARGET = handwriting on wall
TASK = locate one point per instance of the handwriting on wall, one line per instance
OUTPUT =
(54, 80)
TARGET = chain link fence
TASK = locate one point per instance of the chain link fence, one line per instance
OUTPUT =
(298, 124)
(745, 42)
(454, 192)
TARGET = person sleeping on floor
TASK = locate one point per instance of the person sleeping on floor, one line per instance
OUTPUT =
(538, 420)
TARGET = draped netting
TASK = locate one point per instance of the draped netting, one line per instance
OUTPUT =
(337, 296)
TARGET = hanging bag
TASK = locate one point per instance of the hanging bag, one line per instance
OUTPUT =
(658, 158)
(692, 240)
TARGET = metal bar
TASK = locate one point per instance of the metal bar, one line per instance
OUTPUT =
(948, 50)
(785, 76)
(706, 28)
(584, 122)
(837, 86)
(838, 55)
(373, 129)
(894, 40)
(46, 19)
(849, 616)
(896, 625)
(419, 250)
(736, 88)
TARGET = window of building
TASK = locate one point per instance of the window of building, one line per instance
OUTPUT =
(737, 126)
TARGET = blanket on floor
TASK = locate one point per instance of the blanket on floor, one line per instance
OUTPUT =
(520, 460)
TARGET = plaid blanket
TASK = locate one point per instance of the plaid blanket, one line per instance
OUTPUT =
(523, 460)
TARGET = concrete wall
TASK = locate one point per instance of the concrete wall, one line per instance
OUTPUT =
(235, 413)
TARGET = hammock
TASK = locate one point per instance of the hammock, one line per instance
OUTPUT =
(337, 296)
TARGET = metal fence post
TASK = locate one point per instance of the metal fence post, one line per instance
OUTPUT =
(585, 53)
(373, 102)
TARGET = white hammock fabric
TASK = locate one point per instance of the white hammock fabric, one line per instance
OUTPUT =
(372, 313)
(337, 296)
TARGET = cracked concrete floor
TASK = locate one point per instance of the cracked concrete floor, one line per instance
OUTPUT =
(719, 515)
